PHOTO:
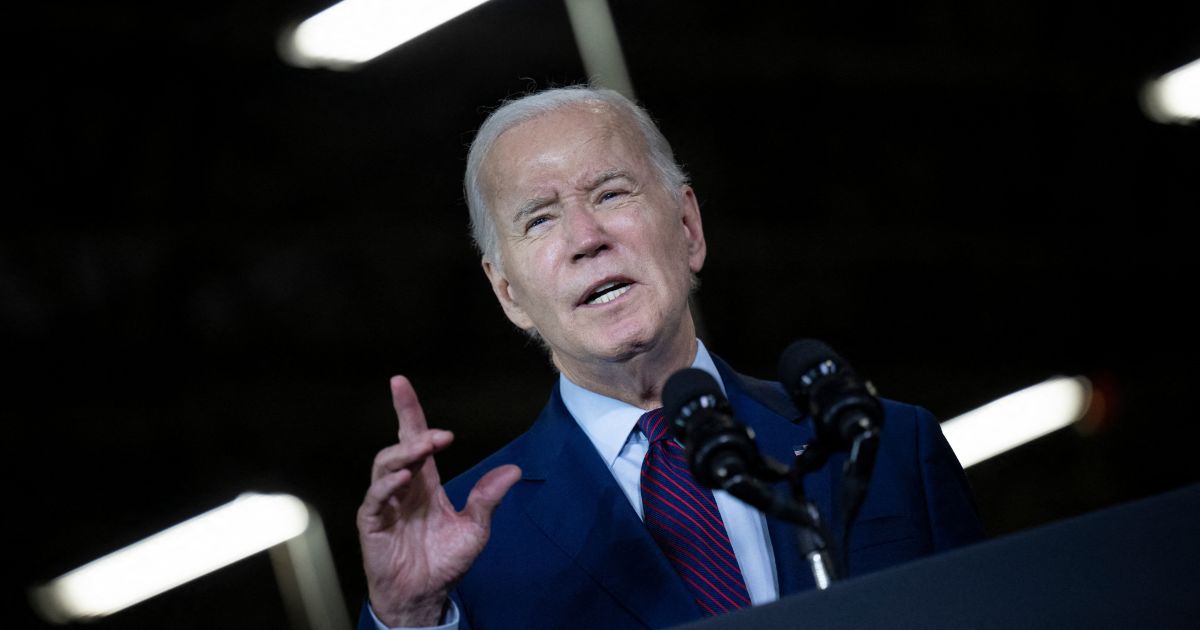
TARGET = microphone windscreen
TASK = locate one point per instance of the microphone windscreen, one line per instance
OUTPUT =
(800, 357)
(685, 386)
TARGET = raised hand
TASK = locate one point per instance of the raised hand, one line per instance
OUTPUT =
(415, 545)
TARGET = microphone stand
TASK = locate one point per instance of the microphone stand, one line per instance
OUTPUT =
(733, 477)
(856, 473)
(855, 476)
(814, 540)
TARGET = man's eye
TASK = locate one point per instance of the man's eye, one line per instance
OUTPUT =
(536, 221)
(609, 195)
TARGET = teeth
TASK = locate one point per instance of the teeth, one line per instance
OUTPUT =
(611, 295)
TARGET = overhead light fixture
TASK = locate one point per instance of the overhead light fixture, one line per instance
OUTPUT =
(352, 32)
(280, 523)
(1175, 96)
(599, 47)
(1017, 418)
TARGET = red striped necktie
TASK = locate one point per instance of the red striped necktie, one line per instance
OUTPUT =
(682, 517)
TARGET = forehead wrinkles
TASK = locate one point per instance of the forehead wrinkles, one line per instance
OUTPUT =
(556, 137)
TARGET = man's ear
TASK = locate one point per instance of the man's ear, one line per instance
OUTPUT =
(505, 294)
(693, 230)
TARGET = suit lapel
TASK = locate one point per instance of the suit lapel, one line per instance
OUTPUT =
(779, 429)
(572, 497)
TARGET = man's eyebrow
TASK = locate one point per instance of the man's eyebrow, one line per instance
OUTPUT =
(605, 177)
(530, 207)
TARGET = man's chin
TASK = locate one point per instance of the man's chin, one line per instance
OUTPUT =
(625, 348)
(619, 342)
(603, 351)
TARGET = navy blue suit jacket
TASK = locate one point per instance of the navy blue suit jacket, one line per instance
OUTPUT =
(567, 550)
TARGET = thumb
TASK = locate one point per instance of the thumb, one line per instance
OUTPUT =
(488, 492)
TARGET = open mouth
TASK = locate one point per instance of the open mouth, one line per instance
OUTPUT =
(607, 292)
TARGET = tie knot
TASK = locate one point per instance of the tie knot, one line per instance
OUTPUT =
(653, 425)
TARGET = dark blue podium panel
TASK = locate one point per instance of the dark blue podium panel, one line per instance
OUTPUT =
(1136, 565)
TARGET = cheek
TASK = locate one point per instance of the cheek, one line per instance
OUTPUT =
(532, 289)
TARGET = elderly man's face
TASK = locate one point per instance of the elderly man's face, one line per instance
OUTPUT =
(596, 254)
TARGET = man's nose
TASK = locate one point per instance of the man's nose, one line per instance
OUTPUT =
(586, 233)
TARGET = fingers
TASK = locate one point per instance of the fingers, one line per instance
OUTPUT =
(408, 409)
(489, 491)
(411, 453)
(381, 492)
(396, 466)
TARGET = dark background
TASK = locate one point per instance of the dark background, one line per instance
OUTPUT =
(211, 262)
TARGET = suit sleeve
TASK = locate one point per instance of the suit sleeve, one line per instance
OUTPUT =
(953, 515)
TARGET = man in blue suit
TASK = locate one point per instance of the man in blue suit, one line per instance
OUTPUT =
(591, 238)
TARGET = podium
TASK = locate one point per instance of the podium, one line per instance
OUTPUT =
(1135, 565)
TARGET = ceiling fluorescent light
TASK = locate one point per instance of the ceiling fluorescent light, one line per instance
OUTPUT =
(352, 32)
(1175, 96)
(239, 529)
(1017, 418)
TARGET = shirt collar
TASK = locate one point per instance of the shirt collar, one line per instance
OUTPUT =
(607, 421)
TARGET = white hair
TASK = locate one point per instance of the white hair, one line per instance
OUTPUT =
(514, 112)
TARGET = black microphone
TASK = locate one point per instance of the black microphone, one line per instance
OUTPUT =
(721, 451)
(846, 417)
(842, 403)
(719, 448)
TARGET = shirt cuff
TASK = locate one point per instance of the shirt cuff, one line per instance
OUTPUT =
(449, 620)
